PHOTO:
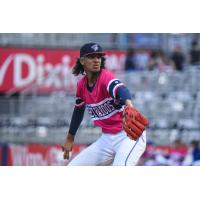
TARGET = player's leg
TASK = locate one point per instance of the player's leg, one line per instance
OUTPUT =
(98, 153)
(128, 152)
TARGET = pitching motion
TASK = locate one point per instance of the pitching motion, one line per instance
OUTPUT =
(108, 102)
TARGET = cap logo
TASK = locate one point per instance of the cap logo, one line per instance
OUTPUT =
(95, 47)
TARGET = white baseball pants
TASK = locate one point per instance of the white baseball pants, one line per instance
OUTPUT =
(109, 149)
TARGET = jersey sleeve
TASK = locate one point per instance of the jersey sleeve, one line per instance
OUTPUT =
(112, 84)
(79, 98)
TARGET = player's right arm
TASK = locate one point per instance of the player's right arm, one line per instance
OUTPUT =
(76, 120)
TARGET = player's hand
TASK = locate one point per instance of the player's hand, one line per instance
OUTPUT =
(134, 122)
(67, 147)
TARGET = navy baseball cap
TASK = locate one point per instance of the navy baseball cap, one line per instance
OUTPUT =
(91, 48)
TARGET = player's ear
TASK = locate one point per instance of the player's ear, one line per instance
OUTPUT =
(82, 61)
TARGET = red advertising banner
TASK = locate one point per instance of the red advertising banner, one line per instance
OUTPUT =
(48, 155)
(44, 70)
(38, 154)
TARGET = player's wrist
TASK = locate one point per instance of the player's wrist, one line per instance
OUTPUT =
(128, 103)
(70, 137)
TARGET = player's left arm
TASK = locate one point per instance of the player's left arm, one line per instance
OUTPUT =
(119, 91)
(134, 122)
(123, 96)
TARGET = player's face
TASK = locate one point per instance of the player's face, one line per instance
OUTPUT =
(92, 63)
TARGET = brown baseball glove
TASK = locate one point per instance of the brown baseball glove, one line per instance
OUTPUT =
(134, 123)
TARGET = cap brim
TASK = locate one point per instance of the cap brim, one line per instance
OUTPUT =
(98, 52)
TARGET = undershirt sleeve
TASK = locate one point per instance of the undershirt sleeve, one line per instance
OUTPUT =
(76, 120)
(123, 94)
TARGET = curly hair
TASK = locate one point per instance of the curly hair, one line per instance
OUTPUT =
(78, 68)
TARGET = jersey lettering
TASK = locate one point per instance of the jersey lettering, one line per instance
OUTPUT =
(103, 109)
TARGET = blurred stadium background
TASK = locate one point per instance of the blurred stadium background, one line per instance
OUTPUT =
(37, 93)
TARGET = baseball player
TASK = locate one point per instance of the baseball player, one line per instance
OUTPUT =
(108, 102)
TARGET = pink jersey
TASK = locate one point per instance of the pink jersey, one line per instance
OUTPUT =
(101, 103)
